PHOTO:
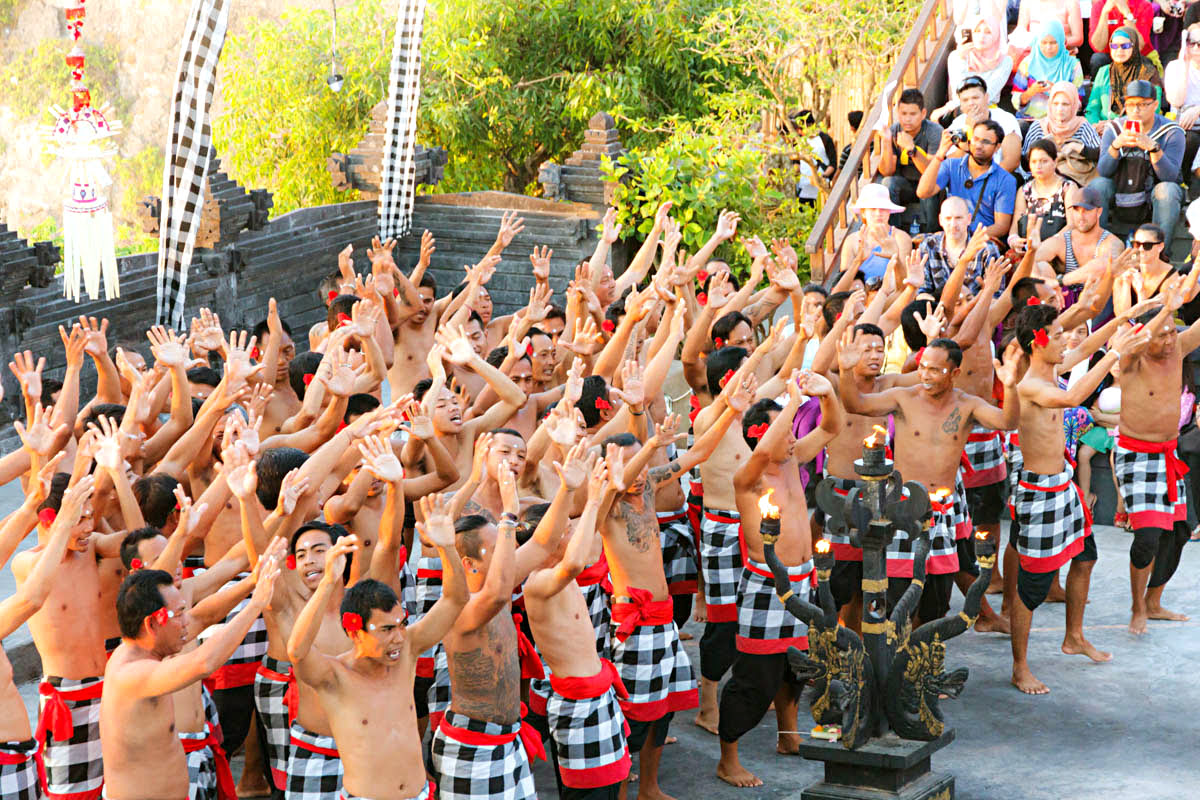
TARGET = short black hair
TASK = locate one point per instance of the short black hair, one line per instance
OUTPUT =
(556, 313)
(725, 325)
(367, 595)
(953, 351)
(497, 355)
(54, 497)
(359, 404)
(832, 309)
(855, 119)
(757, 414)
(205, 376)
(719, 363)
(1024, 289)
(155, 495)
(1032, 319)
(428, 281)
(814, 288)
(624, 439)
(114, 411)
(140, 596)
(263, 328)
(474, 317)
(912, 97)
(423, 386)
(129, 545)
(594, 388)
(50, 387)
(273, 465)
(1047, 146)
(302, 365)
(508, 432)
(914, 337)
(530, 519)
(870, 329)
(342, 304)
(466, 535)
(992, 126)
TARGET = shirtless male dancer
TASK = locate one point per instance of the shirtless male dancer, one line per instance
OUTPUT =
(933, 420)
(1146, 465)
(583, 711)
(18, 769)
(765, 630)
(368, 689)
(143, 758)
(1051, 525)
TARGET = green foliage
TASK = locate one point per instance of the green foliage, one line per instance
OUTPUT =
(509, 84)
(138, 176)
(281, 121)
(704, 170)
(36, 78)
(8, 12)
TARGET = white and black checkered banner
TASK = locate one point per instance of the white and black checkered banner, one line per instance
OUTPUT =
(189, 149)
(398, 184)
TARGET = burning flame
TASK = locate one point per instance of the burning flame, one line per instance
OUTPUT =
(981, 534)
(878, 436)
(766, 507)
(940, 495)
(821, 546)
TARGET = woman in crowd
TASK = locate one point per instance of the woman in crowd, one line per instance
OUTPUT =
(1181, 83)
(1049, 64)
(1034, 15)
(980, 52)
(1107, 100)
(1045, 196)
(877, 242)
(1077, 142)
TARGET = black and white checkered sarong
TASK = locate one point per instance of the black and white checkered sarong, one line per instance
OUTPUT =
(314, 770)
(985, 452)
(1053, 520)
(189, 149)
(943, 552)
(1143, 478)
(600, 611)
(269, 692)
(19, 781)
(656, 672)
(589, 738)
(721, 562)
(764, 624)
(398, 181)
(202, 769)
(678, 551)
(74, 766)
(252, 650)
(468, 771)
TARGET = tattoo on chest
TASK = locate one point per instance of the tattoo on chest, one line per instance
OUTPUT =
(641, 527)
(953, 422)
(472, 507)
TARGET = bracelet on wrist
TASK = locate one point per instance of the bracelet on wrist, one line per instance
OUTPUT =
(508, 516)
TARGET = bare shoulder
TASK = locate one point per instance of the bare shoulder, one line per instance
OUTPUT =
(24, 561)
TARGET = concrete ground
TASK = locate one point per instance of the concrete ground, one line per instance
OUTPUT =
(1127, 727)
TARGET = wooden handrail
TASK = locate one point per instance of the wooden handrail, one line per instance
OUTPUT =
(931, 31)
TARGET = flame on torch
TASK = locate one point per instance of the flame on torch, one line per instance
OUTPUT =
(940, 495)
(821, 546)
(878, 436)
(981, 534)
(766, 507)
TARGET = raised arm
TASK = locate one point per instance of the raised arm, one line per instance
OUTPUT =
(380, 460)
(1005, 418)
(497, 589)
(311, 665)
(437, 531)
(169, 351)
(876, 404)
(585, 541)
(641, 262)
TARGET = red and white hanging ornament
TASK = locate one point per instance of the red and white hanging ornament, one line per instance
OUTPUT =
(80, 137)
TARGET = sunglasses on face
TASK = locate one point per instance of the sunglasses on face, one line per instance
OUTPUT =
(1193, 42)
(1123, 46)
(1145, 245)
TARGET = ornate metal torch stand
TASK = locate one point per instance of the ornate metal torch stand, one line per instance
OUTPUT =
(881, 689)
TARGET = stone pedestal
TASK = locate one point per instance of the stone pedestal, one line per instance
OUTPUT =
(884, 768)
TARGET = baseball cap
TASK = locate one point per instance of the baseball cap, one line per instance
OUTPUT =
(976, 82)
(1088, 198)
(1142, 89)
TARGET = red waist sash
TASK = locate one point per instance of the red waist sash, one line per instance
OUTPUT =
(640, 609)
(531, 740)
(226, 788)
(593, 686)
(1176, 469)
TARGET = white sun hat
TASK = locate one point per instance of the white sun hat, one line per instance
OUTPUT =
(875, 195)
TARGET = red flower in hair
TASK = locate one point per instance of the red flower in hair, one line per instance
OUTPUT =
(341, 427)
(332, 295)
(1034, 301)
(702, 298)
(308, 378)
(529, 350)
(757, 431)
(608, 326)
(254, 353)
(136, 564)
(161, 616)
(719, 342)
(725, 378)
(695, 404)
(602, 404)
(702, 276)
(395, 292)
(839, 316)
(47, 516)
(352, 622)
(919, 354)
(1040, 338)
(291, 561)
(343, 319)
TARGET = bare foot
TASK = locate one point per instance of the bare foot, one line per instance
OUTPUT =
(1137, 624)
(993, 623)
(736, 775)
(1082, 647)
(788, 744)
(1158, 612)
(670, 740)
(707, 721)
(1057, 594)
(1023, 679)
(652, 793)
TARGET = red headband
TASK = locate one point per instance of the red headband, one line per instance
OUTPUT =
(308, 378)
(702, 275)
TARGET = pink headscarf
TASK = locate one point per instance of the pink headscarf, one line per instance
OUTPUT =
(1064, 130)
(978, 59)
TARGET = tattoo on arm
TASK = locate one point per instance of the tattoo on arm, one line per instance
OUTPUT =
(664, 473)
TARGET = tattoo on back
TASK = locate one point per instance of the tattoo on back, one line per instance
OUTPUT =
(953, 422)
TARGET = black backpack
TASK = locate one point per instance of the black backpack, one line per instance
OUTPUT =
(1134, 178)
